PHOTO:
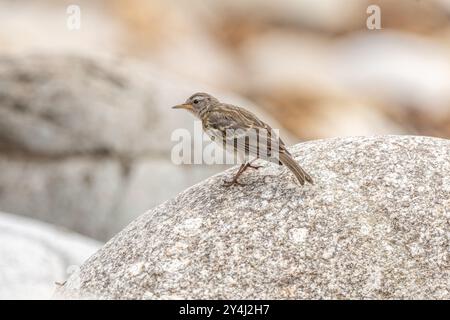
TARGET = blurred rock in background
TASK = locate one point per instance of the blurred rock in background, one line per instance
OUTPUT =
(86, 143)
(34, 256)
(308, 54)
(85, 122)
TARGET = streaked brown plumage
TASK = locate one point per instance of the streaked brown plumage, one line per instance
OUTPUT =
(219, 119)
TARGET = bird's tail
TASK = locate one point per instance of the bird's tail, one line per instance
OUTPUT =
(301, 174)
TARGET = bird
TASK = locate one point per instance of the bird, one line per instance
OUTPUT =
(231, 126)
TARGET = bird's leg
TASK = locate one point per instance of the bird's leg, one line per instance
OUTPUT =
(241, 170)
(236, 176)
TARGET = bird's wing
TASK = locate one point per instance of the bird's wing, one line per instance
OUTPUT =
(243, 130)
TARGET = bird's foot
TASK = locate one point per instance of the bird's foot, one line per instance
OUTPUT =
(253, 167)
(232, 183)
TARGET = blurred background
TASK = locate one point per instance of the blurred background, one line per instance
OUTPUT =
(85, 118)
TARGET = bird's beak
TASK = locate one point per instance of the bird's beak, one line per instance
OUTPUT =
(186, 106)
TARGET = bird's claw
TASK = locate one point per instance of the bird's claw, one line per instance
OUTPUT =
(232, 182)
(254, 167)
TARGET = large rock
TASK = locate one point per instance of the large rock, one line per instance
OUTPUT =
(85, 143)
(34, 255)
(374, 225)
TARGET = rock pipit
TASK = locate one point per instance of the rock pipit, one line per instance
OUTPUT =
(239, 130)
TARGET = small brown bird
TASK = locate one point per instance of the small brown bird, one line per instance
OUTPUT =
(230, 126)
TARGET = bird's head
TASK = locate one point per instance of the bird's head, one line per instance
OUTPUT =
(198, 103)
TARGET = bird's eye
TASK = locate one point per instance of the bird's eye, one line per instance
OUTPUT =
(195, 101)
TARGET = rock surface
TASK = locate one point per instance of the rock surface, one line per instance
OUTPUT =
(85, 143)
(374, 225)
(34, 255)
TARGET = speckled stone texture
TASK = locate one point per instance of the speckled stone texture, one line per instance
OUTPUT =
(375, 225)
